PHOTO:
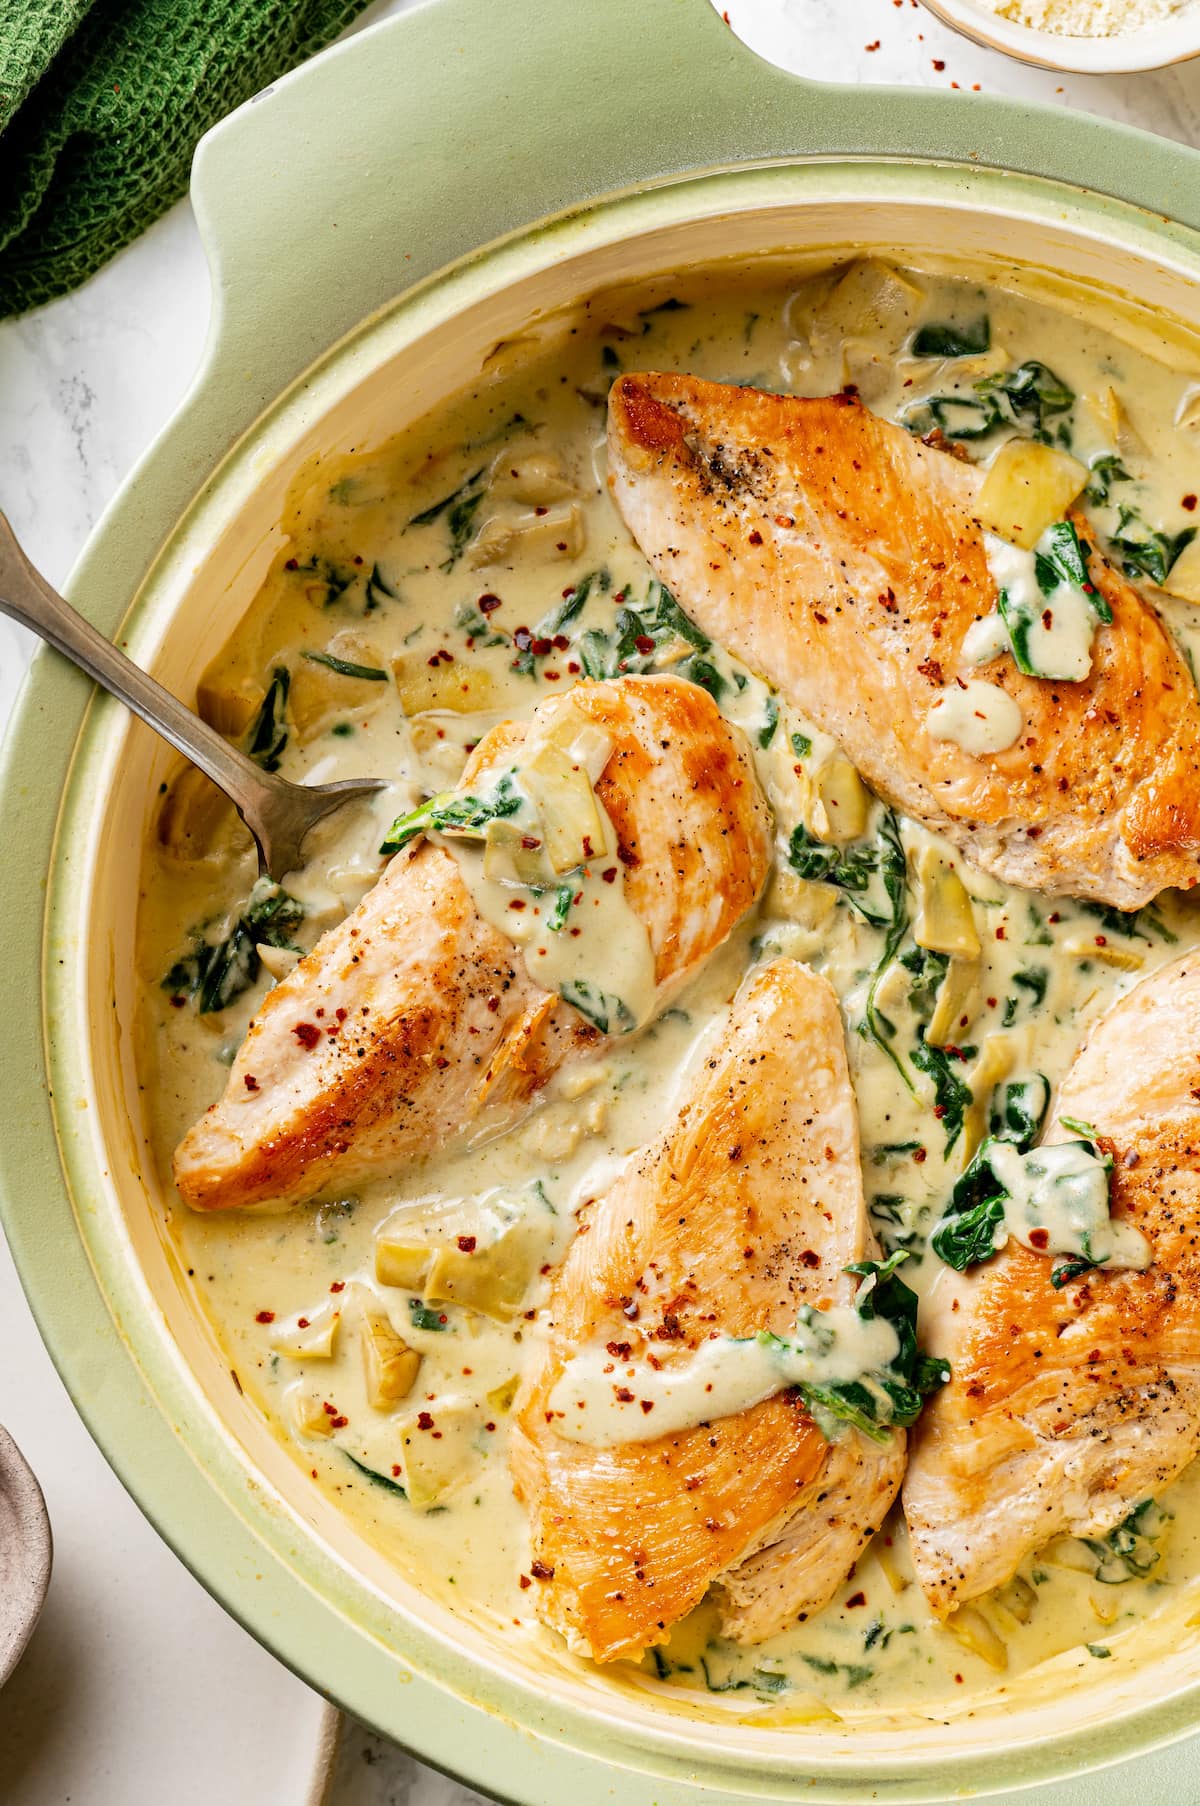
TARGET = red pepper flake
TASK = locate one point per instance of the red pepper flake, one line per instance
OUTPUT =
(1002, 933)
(609, 876)
(424, 1421)
(647, 1405)
(397, 1470)
(329, 1410)
(339, 1285)
(541, 1570)
(560, 642)
(573, 668)
(540, 647)
(938, 64)
(920, 1155)
(301, 1322)
(756, 538)
(1039, 1239)
(250, 1082)
(264, 1317)
(624, 1395)
(1054, 916)
(466, 1244)
(292, 564)
(517, 903)
(493, 1004)
(308, 1034)
(525, 1582)
(857, 1599)
(339, 1422)
(810, 1258)
(488, 603)
(820, 619)
(1189, 502)
(522, 639)
(530, 842)
(874, 46)
(644, 643)
(1102, 940)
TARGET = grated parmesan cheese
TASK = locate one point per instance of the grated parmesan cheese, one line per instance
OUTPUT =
(1086, 18)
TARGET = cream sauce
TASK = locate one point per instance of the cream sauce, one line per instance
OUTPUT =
(602, 1402)
(1056, 629)
(1058, 1204)
(384, 568)
(978, 716)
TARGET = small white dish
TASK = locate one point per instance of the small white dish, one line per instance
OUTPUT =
(1173, 40)
(25, 1554)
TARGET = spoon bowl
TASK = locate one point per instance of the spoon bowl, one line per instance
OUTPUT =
(278, 814)
(25, 1554)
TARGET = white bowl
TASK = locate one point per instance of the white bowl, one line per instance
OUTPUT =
(25, 1554)
(1175, 40)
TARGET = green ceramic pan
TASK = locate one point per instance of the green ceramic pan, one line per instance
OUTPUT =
(373, 224)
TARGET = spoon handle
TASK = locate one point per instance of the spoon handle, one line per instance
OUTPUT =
(26, 597)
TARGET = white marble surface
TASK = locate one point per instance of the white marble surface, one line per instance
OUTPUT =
(95, 1715)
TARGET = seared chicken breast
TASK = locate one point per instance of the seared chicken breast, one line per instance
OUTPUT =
(1068, 1408)
(841, 559)
(414, 1015)
(748, 1207)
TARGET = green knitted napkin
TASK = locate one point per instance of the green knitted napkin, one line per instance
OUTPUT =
(101, 105)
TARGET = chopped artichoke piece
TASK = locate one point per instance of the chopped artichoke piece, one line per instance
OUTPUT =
(1183, 578)
(321, 692)
(508, 355)
(893, 1571)
(310, 1415)
(532, 476)
(492, 1268)
(582, 741)
(1108, 1609)
(424, 682)
(944, 920)
(229, 703)
(439, 1448)
(803, 900)
(512, 856)
(562, 794)
(278, 961)
(1105, 408)
(958, 997)
(1017, 1598)
(309, 1338)
(558, 532)
(1068, 1552)
(995, 1062)
(402, 1259)
(870, 300)
(198, 822)
(1027, 488)
(390, 1366)
(500, 1398)
(1090, 946)
(969, 1626)
(483, 1253)
(843, 802)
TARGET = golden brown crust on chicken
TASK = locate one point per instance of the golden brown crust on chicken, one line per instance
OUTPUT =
(841, 558)
(413, 1015)
(1068, 1408)
(748, 1207)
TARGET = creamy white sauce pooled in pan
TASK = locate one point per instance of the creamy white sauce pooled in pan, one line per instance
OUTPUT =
(454, 578)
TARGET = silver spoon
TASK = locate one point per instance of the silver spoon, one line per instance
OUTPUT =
(279, 814)
(25, 1553)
